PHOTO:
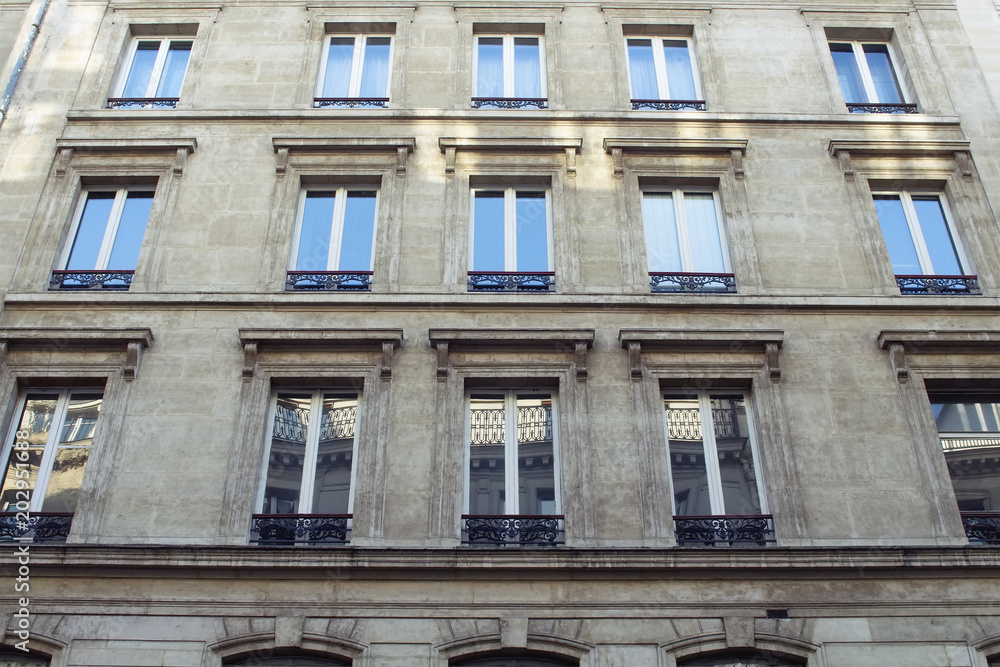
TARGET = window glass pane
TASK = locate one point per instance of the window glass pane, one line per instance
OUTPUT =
(896, 233)
(36, 419)
(137, 83)
(487, 438)
(131, 229)
(688, 470)
(375, 73)
(314, 234)
(65, 479)
(90, 231)
(736, 464)
(680, 77)
(337, 79)
(937, 236)
(703, 233)
(359, 231)
(489, 67)
(848, 73)
(488, 232)
(884, 78)
(173, 69)
(532, 232)
(81, 419)
(535, 456)
(662, 245)
(969, 415)
(332, 487)
(286, 457)
(642, 71)
(527, 68)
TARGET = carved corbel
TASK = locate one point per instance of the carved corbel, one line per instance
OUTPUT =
(580, 358)
(844, 157)
(385, 364)
(402, 153)
(964, 161)
(772, 361)
(249, 361)
(281, 162)
(737, 157)
(442, 362)
(635, 361)
(132, 353)
(617, 162)
(62, 161)
(180, 161)
(571, 161)
(3, 352)
(449, 160)
(898, 359)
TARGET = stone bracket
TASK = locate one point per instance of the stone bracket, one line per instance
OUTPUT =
(964, 161)
(382, 341)
(132, 341)
(721, 341)
(286, 147)
(901, 344)
(451, 145)
(577, 340)
(181, 147)
(616, 147)
(898, 360)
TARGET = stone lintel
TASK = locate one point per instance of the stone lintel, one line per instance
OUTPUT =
(516, 144)
(57, 337)
(675, 145)
(897, 148)
(941, 342)
(708, 340)
(331, 144)
(374, 338)
(536, 338)
(187, 144)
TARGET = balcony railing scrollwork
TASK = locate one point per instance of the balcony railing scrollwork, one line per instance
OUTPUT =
(292, 529)
(350, 102)
(142, 102)
(511, 281)
(111, 280)
(512, 530)
(350, 281)
(724, 530)
(669, 105)
(36, 526)
(692, 282)
(982, 528)
(510, 103)
(938, 284)
(685, 423)
(881, 108)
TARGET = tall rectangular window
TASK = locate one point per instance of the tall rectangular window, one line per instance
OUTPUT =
(686, 245)
(663, 73)
(868, 77)
(106, 238)
(355, 71)
(154, 74)
(509, 72)
(334, 242)
(510, 244)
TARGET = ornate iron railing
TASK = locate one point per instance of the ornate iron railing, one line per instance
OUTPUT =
(669, 105)
(949, 444)
(882, 108)
(142, 102)
(512, 530)
(732, 530)
(112, 280)
(351, 102)
(37, 526)
(510, 103)
(511, 281)
(938, 284)
(534, 424)
(353, 281)
(291, 424)
(291, 529)
(685, 423)
(692, 282)
(982, 528)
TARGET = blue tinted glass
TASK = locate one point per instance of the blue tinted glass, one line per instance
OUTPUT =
(337, 80)
(848, 73)
(359, 232)
(489, 67)
(131, 229)
(173, 69)
(527, 68)
(897, 237)
(937, 236)
(488, 232)
(375, 73)
(642, 71)
(139, 74)
(680, 77)
(90, 231)
(314, 234)
(884, 78)
(532, 232)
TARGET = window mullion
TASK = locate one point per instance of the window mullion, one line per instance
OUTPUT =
(111, 230)
(510, 229)
(866, 75)
(683, 238)
(913, 222)
(357, 58)
(512, 501)
(711, 454)
(660, 66)
(312, 448)
(161, 59)
(49, 453)
(337, 229)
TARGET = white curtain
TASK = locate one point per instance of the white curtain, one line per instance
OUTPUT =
(662, 246)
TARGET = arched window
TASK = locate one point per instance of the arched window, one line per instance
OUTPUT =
(749, 659)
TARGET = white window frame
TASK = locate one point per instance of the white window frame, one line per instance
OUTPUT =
(161, 59)
(508, 63)
(510, 223)
(357, 62)
(110, 230)
(715, 490)
(660, 65)
(337, 224)
(857, 46)
(683, 236)
(307, 483)
(512, 501)
(917, 235)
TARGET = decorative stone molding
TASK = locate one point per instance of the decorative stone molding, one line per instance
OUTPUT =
(766, 341)
(577, 341)
(57, 339)
(333, 647)
(846, 150)
(900, 343)
(182, 147)
(618, 146)
(468, 647)
(285, 146)
(384, 341)
(451, 145)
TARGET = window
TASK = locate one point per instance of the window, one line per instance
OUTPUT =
(717, 493)
(509, 72)
(662, 73)
(46, 453)
(686, 242)
(306, 490)
(741, 659)
(106, 237)
(154, 74)
(334, 240)
(867, 75)
(512, 483)
(355, 71)
(923, 247)
(510, 244)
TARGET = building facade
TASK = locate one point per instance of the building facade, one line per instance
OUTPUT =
(621, 334)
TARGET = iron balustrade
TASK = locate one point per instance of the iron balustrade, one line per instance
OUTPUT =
(305, 529)
(510, 103)
(35, 526)
(938, 284)
(691, 282)
(511, 281)
(350, 102)
(534, 424)
(512, 530)
(108, 280)
(685, 423)
(734, 530)
(881, 108)
(669, 105)
(350, 281)
(982, 528)
(290, 424)
(142, 102)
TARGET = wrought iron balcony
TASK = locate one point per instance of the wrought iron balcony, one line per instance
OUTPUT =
(351, 281)
(110, 280)
(511, 281)
(291, 424)
(35, 526)
(938, 284)
(882, 108)
(982, 528)
(670, 105)
(733, 530)
(142, 102)
(350, 102)
(692, 282)
(510, 103)
(293, 529)
(685, 423)
(512, 530)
